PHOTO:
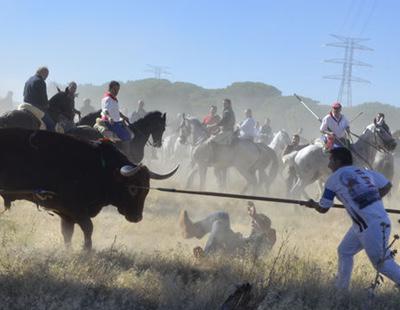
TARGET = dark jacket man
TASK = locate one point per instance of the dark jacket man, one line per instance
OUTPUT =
(35, 91)
(228, 117)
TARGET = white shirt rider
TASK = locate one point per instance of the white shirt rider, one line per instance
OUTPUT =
(248, 126)
(110, 104)
(335, 122)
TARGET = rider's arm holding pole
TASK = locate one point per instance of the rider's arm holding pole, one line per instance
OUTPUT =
(126, 119)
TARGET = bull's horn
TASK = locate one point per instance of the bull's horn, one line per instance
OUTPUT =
(128, 171)
(157, 176)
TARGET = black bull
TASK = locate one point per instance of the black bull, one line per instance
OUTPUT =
(83, 176)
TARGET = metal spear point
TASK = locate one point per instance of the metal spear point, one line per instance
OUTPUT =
(308, 108)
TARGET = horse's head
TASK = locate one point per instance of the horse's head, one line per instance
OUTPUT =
(281, 139)
(382, 137)
(152, 124)
(157, 121)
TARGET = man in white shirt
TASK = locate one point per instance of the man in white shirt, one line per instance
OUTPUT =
(248, 127)
(110, 112)
(361, 192)
(336, 126)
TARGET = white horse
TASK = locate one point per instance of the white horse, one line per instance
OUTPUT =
(311, 163)
(279, 142)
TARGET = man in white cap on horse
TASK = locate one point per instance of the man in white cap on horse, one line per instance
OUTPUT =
(336, 127)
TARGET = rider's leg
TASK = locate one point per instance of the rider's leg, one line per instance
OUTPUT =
(50, 125)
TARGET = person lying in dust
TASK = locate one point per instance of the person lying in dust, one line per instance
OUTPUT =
(223, 239)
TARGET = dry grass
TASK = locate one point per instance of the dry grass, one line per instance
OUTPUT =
(149, 266)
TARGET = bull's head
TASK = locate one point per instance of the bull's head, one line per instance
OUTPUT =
(136, 183)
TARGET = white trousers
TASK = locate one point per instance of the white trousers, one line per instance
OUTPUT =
(371, 240)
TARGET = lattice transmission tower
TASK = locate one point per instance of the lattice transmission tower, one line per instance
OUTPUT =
(158, 71)
(349, 44)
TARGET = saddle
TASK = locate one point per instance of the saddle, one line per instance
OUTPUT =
(37, 113)
(101, 126)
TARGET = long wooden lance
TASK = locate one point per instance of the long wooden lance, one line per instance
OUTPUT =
(248, 197)
(308, 108)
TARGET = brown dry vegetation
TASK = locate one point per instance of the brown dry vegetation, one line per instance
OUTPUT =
(149, 266)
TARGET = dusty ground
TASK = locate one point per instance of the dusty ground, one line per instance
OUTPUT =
(149, 266)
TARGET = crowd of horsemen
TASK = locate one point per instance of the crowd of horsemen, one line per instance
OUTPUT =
(359, 189)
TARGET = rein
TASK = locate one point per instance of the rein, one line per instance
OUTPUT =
(375, 146)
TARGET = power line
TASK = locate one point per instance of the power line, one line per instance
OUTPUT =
(349, 44)
(373, 7)
(158, 71)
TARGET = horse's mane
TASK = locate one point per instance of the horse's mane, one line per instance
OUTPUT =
(147, 118)
(89, 116)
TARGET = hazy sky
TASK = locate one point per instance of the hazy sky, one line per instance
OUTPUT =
(209, 43)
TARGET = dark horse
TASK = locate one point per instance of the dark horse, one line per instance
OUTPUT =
(152, 124)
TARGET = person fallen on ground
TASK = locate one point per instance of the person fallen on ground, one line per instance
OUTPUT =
(336, 127)
(361, 192)
(223, 239)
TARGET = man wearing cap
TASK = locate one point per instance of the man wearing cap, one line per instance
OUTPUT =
(336, 126)
(223, 239)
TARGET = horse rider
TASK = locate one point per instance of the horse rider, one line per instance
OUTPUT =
(247, 128)
(226, 124)
(223, 239)
(294, 146)
(111, 114)
(379, 120)
(211, 120)
(226, 133)
(62, 107)
(87, 108)
(361, 192)
(336, 127)
(35, 93)
(140, 113)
